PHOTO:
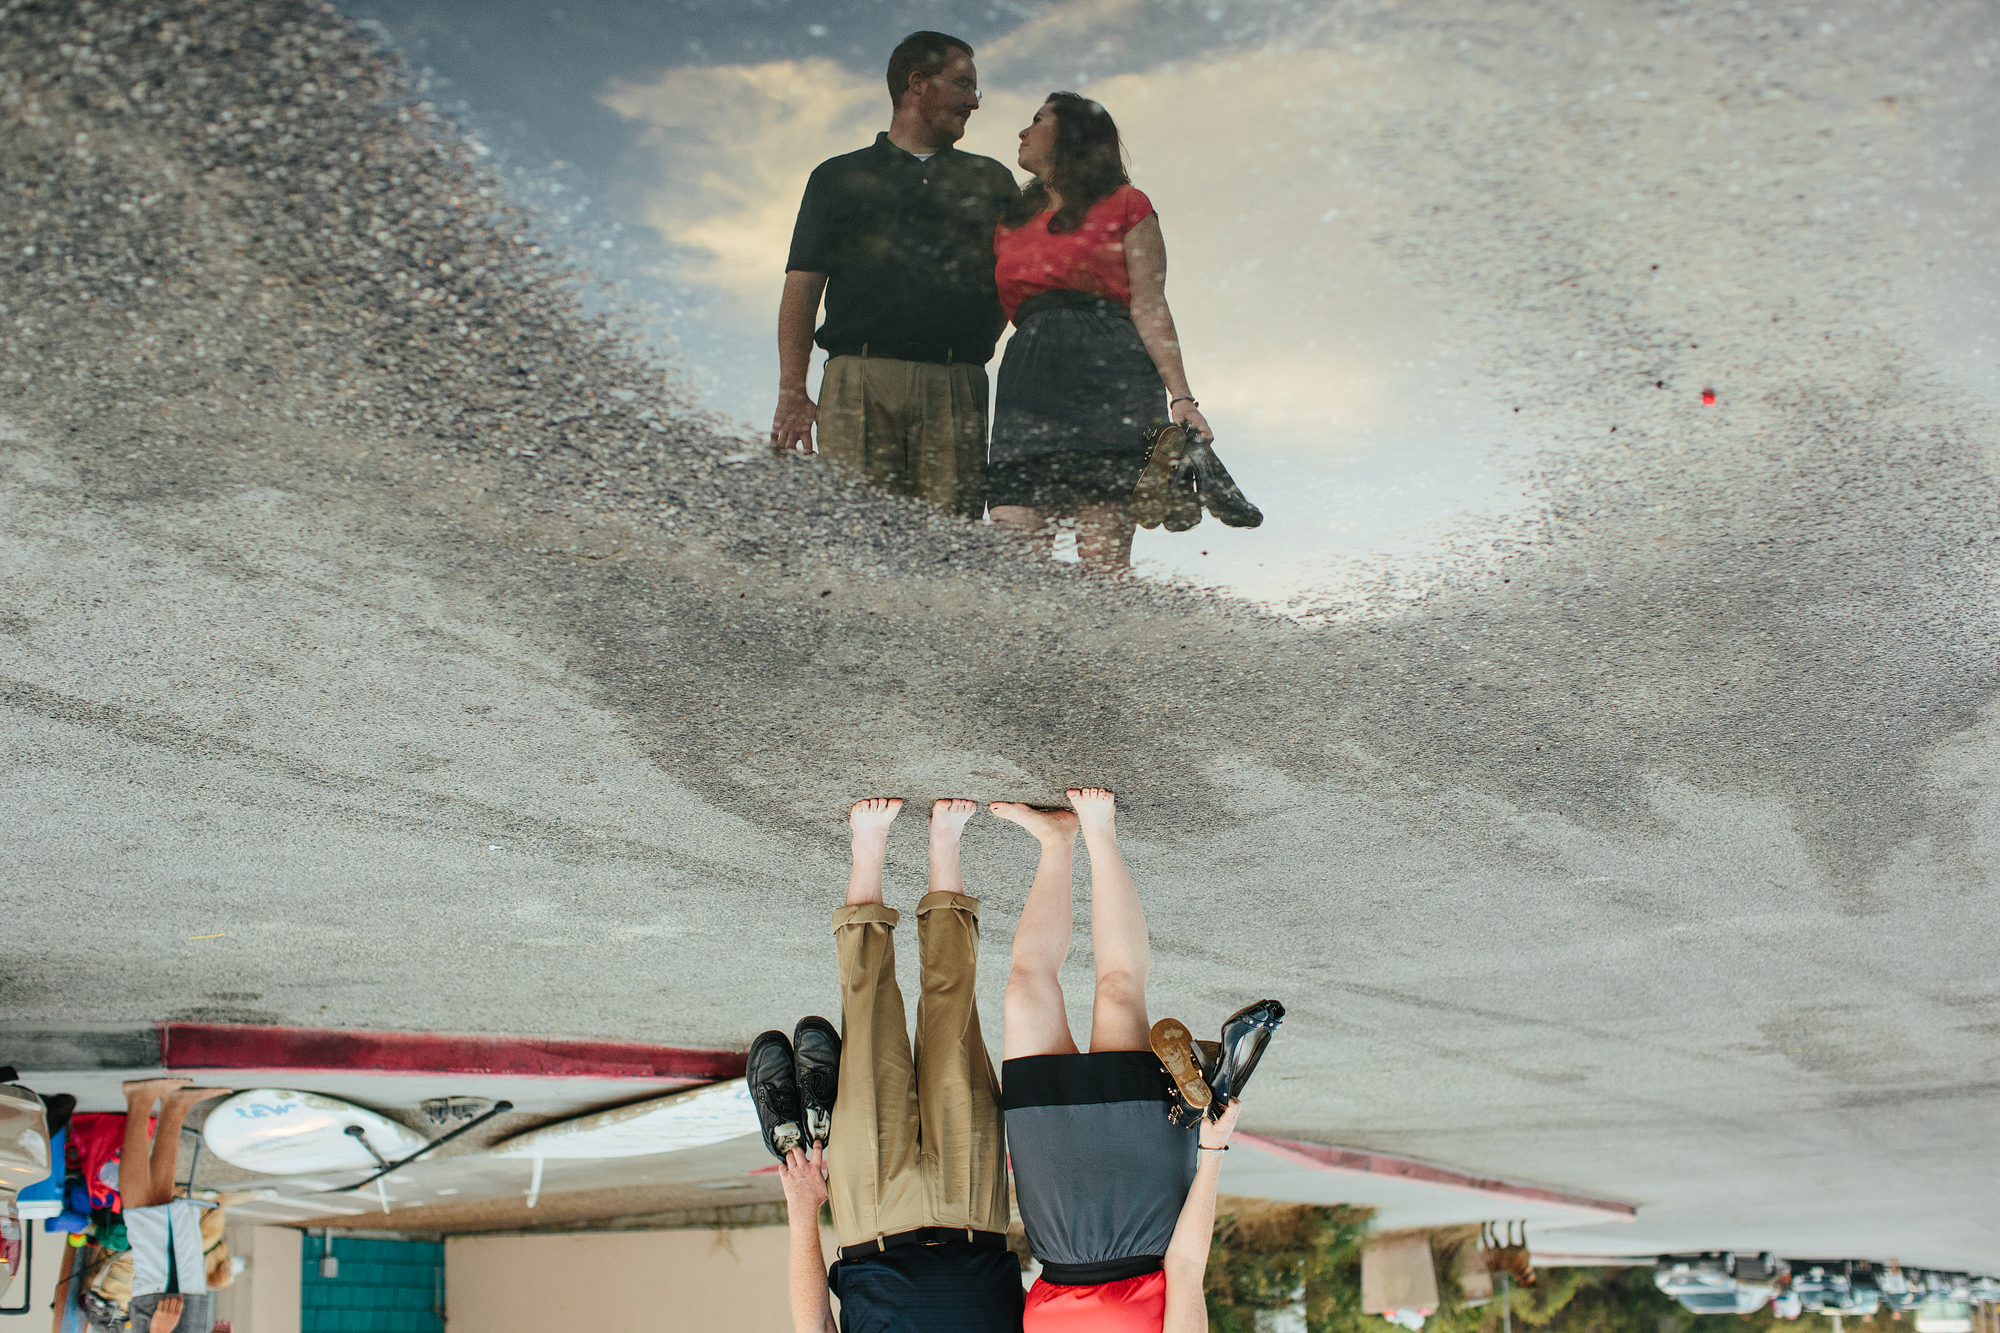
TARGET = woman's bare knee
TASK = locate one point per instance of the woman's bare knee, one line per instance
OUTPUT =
(1121, 986)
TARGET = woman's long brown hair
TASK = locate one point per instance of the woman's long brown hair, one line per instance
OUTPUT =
(1089, 165)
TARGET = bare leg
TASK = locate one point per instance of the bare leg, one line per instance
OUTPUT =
(1104, 537)
(1026, 522)
(947, 824)
(167, 1137)
(869, 820)
(135, 1163)
(1117, 930)
(1037, 1023)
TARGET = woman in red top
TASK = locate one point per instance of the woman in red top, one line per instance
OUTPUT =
(1094, 367)
(1115, 1189)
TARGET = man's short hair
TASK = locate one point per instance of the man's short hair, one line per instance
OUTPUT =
(923, 53)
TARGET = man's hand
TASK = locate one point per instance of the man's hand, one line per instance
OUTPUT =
(805, 1181)
(167, 1314)
(792, 427)
(805, 1270)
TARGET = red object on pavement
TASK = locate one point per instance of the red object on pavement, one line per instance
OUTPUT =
(1708, 398)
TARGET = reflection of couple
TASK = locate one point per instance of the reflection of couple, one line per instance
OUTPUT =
(923, 253)
(1116, 1184)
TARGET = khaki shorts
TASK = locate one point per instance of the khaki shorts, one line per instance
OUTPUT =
(917, 1138)
(911, 427)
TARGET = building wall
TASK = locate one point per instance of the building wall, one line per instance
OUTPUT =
(384, 1286)
(264, 1298)
(620, 1282)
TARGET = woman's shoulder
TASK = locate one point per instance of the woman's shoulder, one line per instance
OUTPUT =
(1124, 208)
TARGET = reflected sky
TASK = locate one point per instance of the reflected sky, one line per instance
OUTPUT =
(1366, 392)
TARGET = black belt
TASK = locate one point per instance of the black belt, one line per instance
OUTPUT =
(983, 1240)
(1063, 298)
(935, 356)
(1097, 1274)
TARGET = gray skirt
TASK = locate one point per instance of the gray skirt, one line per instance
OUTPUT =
(1099, 1171)
(1077, 397)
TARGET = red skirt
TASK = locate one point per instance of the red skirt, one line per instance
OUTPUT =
(1134, 1305)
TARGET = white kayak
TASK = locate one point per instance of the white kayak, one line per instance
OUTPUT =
(695, 1119)
(281, 1133)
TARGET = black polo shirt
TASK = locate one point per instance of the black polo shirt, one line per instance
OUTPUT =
(907, 247)
(950, 1288)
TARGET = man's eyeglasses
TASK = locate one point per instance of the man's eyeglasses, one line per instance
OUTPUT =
(964, 85)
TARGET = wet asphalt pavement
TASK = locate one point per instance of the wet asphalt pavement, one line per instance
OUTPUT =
(395, 629)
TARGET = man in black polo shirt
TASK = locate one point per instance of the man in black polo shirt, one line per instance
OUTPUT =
(915, 1166)
(898, 237)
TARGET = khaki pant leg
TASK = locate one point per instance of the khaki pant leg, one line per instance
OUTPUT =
(948, 444)
(873, 1181)
(864, 410)
(958, 1096)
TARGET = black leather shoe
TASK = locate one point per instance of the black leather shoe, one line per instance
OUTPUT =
(816, 1057)
(774, 1087)
(1218, 489)
(1245, 1034)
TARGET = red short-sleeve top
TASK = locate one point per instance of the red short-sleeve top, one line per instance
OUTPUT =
(1030, 258)
(1133, 1305)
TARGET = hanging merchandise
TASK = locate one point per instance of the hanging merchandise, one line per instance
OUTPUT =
(97, 1138)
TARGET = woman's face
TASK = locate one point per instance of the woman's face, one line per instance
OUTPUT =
(1038, 142)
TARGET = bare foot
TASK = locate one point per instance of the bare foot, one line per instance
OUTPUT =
(1048, 825)
(870, 819)
(1095, 807)
(151, 1088)
(189, 1096)
(948, 817)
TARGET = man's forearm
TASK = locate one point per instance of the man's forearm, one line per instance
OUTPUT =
(812, 1311)
(796, 313)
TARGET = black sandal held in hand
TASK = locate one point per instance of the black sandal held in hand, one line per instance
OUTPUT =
(1190, 1095)
(1165, 493)
(774, 1087)
(1245, 1034)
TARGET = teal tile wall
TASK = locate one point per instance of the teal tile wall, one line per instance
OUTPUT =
(385, 1286)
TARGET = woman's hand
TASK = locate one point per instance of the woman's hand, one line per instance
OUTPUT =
(1190, 416)
(166, 1315)
(1215, 1133)
(805, 1181)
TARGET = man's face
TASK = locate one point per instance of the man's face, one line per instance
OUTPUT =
(947, 99)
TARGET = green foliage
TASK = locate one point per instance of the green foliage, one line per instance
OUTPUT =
(1264, 1255)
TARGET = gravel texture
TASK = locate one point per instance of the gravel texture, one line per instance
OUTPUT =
(365, 604)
